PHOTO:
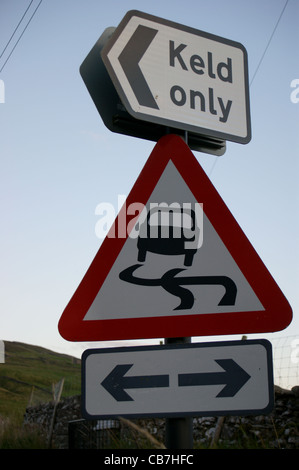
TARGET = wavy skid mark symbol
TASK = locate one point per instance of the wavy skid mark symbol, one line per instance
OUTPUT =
(173, 285)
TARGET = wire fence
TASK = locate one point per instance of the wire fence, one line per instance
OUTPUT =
(285, 370)
(286, 361)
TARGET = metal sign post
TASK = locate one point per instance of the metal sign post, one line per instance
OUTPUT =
(179, 431)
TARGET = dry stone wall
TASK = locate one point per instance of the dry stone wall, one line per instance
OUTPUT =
(279, 429)
(53, 421)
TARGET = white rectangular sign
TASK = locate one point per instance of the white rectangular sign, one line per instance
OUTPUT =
(178, 380)
(181, 77)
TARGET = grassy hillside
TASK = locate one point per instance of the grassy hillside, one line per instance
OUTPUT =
(29, 375)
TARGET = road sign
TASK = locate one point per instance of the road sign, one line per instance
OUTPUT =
(174, 264)
(115, 116)
(180, 77)
(178, 380)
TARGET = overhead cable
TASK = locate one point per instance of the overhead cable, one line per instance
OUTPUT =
(16, 29)
(21, 35)
(273, 32)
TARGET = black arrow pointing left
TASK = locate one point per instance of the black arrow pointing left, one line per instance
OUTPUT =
(115, 383)
(129, 59)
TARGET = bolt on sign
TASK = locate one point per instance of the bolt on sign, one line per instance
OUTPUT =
(180, 77)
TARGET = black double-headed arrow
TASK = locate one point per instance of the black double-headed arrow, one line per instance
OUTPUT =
(233, 377)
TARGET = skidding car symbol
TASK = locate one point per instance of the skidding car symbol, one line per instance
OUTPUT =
(175, 231)
(169, 231)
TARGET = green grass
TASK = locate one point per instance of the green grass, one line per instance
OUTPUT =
(29, 372)
(14, 436)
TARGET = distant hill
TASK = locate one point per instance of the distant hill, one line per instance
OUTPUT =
(29, 375)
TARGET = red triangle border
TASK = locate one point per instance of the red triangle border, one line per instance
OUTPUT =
(277, 313)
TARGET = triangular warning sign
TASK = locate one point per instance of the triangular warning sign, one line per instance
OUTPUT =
(174, 264)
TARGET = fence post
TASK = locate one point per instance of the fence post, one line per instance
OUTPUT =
(56, 401)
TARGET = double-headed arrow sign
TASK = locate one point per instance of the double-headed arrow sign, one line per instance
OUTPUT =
(178, 380)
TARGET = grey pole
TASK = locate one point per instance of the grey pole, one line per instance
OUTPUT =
(178, 431)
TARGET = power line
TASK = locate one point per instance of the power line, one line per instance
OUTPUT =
(260, 62)
(16, 29)
(21, 35)
(264, 53)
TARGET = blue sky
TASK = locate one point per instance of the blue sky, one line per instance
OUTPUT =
(59, 161)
